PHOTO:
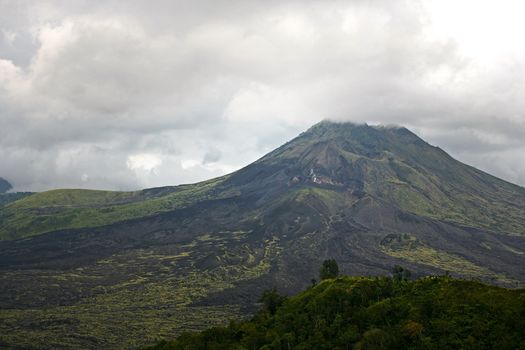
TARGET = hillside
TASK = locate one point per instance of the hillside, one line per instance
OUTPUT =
(4, 185)
(6, 198)
(157, 262)
(365, 313)
(67, 209)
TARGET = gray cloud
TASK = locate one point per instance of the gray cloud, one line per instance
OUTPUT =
(124, 95)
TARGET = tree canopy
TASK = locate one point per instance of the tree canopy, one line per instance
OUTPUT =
(377, 313)
(329, 269)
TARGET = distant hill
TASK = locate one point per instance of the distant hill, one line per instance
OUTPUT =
(4, 185)
(154, 263)
(364, 313)
(6, 198)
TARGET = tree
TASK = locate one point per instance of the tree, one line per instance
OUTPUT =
(272, 300)
(329, 269)
(399, 273)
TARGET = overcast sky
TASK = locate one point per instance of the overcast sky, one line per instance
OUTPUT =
(133, 94)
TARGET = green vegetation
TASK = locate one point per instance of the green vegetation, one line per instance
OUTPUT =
(6, 198)
(409, 248)
(377, 313)
(272, 300)
(399, 273)
(128, 300)
(329, 269)
(67, 209)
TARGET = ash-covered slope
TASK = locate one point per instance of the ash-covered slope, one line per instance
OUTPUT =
(370, 197)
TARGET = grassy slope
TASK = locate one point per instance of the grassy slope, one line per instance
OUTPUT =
(364, 313)
(6, 198)
(65, 209)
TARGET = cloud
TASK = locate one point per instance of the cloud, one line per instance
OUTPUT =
(146, 162)
(129, 95)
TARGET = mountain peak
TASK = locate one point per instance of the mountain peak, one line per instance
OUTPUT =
(329, 126)
(4, 185)
(389, 164)
(362, 133)
(350, 141)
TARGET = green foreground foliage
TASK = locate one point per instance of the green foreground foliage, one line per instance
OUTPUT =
(377, 313)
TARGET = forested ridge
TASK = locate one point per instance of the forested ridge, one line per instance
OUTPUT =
(376, 313)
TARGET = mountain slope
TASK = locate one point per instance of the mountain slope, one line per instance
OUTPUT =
(66, 209)
(4, 185)
(390, 165)
(162, 259)
(394, 166)
(6, 198)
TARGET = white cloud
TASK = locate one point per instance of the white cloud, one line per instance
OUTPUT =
(189, 163)
(128, 95)
(147, 162)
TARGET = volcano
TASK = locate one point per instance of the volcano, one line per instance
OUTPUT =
(153, 263)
